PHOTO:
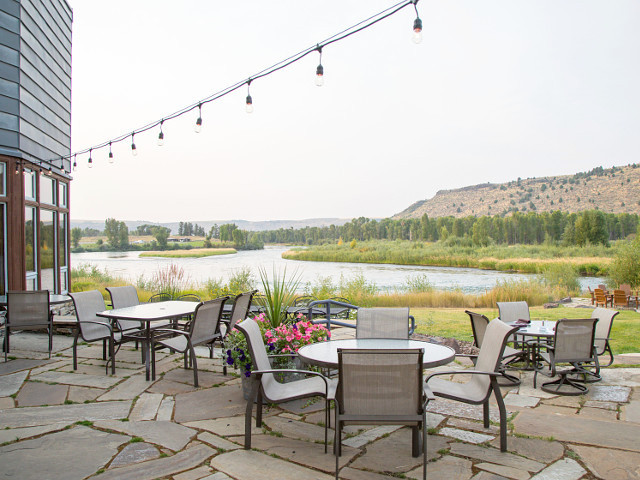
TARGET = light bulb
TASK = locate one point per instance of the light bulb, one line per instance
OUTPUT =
(249, 104)
(110, 157)
(320, 75)
(160, 139)
(90, 162)
(417, 31)
(75, 164)
(134, 150)
(17, 168)
(198, 127)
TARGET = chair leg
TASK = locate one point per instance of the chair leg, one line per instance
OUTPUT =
(424, 445)
(112, 356)
(7, 334)
(104, 348)
(194, 366)
(485, 412)
(153, 362)
(503, 415)
(255, 386)
(75, 350)
(259, 409)
(415, 441)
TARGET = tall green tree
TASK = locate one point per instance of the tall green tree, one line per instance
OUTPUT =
(76, 235)
(161, 234)
(117, 233)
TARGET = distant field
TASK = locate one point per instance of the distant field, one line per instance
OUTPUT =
(194, 253)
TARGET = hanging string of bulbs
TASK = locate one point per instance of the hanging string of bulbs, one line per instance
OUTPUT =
(319, 81)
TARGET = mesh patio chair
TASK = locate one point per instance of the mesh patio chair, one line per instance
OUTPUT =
(28, 311)
(160, 297)
(574, 346)
(93, 328)
(303, 301)
(265, 386)
(605, 318)
(122, 297)
(203, 330)
(344, 314)
(479, 324)
(384, 323)
(239, 312)
(382, 387)
(484, 377)
(510, 312)
(189, 297)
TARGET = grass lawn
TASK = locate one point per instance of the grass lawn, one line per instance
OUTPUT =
(453, 322)
(194, 253)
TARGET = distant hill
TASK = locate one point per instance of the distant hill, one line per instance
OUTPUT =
(613, 190)
(207, 224)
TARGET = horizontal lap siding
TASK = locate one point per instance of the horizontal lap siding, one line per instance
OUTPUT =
(45, 69)
(9, 77)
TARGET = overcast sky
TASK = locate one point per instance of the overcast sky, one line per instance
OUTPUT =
(498, 89)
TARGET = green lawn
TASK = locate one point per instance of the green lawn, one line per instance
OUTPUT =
(453, 322)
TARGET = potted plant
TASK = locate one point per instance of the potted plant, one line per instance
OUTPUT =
(279, 294)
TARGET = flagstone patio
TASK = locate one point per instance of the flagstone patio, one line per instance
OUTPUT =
(59, 424)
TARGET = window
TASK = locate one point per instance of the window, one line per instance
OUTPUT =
(62, 194)
(30, 246)
(3, 253)
(29, 185)
(47, 250)
(3, 179)
(47, 190)
(62, 252)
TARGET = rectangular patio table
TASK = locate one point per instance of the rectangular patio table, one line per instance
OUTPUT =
(538, 329)
(146, 314)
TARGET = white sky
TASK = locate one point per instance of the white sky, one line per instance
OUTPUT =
(498, 89)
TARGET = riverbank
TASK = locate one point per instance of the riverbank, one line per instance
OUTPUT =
(194, 253)
(592, 260)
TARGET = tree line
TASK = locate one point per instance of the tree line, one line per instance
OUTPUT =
(587, 227)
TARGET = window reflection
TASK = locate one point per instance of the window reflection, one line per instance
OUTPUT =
(3, 260)
(47, 190)
(29, 238)
(47, 250)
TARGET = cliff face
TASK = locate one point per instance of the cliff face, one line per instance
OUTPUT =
(614, 190)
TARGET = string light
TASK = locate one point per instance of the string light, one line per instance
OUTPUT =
(90, 162)
(17, 168)
(161, 135)
(417, 24)
(249, 106)
(198, 126)
(358, 27)
(75, 164)
(320, 70)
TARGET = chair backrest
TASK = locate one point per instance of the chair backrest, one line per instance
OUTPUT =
(513, 311)
(602, 286)
(240, 308)
(626, 288)
(160, 297)
(205, 320)
(381, 383)
(605, 318)
(122, 297)
(28, 310)
(573, 341)
(303, 301)
(259, 358)
(479, 325)
(383, 323)
(620, 298)
(87, 304)
(599, 295)
(189, 297)
(493, 343)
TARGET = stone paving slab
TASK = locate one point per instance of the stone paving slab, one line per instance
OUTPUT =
(34, 416)
(598, 414)
(165, 411)
(83, 394)
(608, 393)
(35, 394)
(161, 467)
(536, 449)
(465, 436)
(217, 442)
(127, 390)
(99, 381)
(19, 364)
(169, 387)
(488, 476)
(631, 412)
(135, 453)
(250, 465)
(10, 384)
(228, 426)
(508, 472)
(6, 402)
(566, 428)
(516, 400)
(608, 463)
(58, 454)
(225, 401)
(445, 406)
(50, 366)
(370, 435)
(304, 453)
(565, 469)
(294, 429)
(205, 379)
(167, 434)
(493, 455)
(146, 407)
(447, 467)
(195, 474)
(14, 434)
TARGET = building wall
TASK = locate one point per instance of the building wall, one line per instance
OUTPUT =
(35, 80)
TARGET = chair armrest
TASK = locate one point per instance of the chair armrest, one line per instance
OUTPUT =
(104, 324)
(460, 372)
(168, 330)
(412, 325)
(466, 355)
(428, 394)
(292, 355)
(287, 370)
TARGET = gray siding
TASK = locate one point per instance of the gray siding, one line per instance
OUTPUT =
(35, 79)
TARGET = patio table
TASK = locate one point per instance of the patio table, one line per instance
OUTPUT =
(538, 329)
(148, 313)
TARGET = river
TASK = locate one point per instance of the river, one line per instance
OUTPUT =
(130, 266)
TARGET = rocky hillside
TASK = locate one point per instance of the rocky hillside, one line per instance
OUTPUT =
(613, 190)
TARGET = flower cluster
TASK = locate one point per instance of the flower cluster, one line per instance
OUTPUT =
(287, 338)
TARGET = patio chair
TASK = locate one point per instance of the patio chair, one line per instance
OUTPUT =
(27, 311)
(303, 301)
(160, 297)
(510, 312)
(593, 298)
(239, 312)
(484, 377)
(344, 314)
(382, 387)
(479, 324)
(603, 287)
(605, 318)
(189, 297)
(265, 387)
(620, 299)
(601, 298)
(384, 323)
(203, 330)
(93, 328)
(626, 288)
(122, 297)
(574, 346)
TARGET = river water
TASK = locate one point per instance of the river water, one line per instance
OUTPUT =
(130, 266)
